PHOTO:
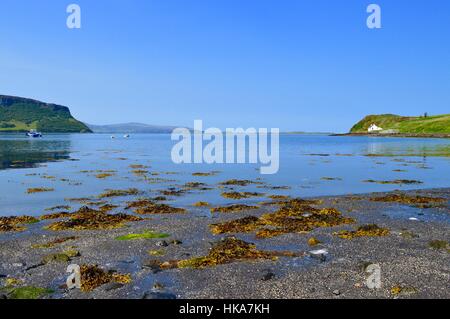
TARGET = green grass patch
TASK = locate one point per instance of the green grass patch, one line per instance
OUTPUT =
(28, 292)
(144, 235)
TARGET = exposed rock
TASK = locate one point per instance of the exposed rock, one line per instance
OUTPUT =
(268, 275)
(162, 243)
(320, 254)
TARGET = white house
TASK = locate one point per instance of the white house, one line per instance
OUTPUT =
(374, 128)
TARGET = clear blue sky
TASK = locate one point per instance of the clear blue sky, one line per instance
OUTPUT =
(294, 64)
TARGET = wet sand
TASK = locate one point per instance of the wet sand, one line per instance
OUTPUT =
(410, 267)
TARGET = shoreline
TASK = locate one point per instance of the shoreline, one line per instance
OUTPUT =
(410, 268)
(405, 135)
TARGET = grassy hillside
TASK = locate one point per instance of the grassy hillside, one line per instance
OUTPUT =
(439, 124)
(20, 114)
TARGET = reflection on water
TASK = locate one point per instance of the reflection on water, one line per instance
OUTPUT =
(342, 168)
(28, 153)
(416, 148)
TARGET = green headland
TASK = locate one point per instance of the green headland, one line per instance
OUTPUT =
(19, 114)
(425, 125)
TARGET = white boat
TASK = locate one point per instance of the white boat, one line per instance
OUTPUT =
(34, 134)
(126, 136)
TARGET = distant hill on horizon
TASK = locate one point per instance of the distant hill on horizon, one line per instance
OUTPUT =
(131, 128)
(163, 129)
(18, 114)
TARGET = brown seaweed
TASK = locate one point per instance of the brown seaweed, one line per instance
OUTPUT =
(89, 219)
(364, 231)
(227, 251)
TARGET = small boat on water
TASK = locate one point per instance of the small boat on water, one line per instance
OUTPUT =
(126, 136)
(34, 134)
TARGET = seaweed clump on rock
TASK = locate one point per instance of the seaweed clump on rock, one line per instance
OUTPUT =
(241, 225)
(196, 186)
(238, 182)
(15, 223)
(147, 207)
(204, 174)
(417, 201)
(232, 208)
(93, 277)
(227, 251)
(119, 193)
(294, 216)
(364, 231)
(54, 242)
(89, 219)
(240, 195)
(395, 182)
(58, 215)
(39, 190)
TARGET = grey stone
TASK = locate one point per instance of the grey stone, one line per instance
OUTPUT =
(162, 243)
(268, 276)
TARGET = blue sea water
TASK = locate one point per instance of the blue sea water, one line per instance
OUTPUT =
(68, 163)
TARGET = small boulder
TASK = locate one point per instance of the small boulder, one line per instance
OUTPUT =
(162, 243)
(268, 275)
(320, 254)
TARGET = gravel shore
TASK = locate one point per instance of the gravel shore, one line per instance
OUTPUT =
(410, 266)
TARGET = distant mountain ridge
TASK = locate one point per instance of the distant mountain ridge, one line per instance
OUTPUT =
(131, 128)
(18, 114)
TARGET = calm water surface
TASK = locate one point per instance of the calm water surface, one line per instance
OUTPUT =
(68, 163)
